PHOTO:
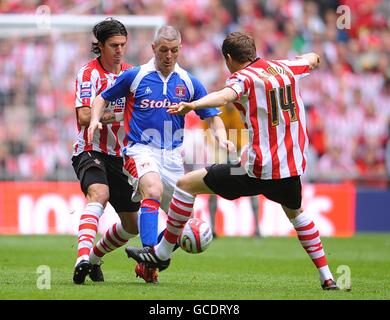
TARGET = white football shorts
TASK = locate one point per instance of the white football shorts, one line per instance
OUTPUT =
(141, 159)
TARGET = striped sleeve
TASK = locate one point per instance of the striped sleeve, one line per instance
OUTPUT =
(298, 67)
(86, 87)
(238, 83)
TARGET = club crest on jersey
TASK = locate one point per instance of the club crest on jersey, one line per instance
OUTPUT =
(180, 91)
(144, 165)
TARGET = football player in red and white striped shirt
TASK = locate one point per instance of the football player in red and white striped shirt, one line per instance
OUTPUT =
(266, 92)
(98, 165)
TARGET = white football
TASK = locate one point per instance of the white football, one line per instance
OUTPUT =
(196, 236)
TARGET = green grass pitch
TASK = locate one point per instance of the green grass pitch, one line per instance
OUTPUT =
(231, 268)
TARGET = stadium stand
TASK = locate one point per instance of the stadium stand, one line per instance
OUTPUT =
(348, 97)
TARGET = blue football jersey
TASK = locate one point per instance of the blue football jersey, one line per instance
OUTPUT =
(148, 94)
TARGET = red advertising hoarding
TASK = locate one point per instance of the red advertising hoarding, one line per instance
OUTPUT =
(55, 208)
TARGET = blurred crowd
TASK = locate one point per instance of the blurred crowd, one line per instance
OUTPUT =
(347, 98)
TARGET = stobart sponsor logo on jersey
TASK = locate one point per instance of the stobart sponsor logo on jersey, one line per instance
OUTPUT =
(148, 103)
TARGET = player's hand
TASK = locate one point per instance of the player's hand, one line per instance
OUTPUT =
(91, 129)
(231, 150)
(313, 58)
(181, 109)
(110, 117)
(227, 145)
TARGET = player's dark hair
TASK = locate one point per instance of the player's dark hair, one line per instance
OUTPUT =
(240, 46)
(105, 30)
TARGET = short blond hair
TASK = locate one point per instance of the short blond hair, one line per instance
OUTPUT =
(166, 32)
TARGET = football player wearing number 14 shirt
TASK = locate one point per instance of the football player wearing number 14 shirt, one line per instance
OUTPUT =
(266, 92)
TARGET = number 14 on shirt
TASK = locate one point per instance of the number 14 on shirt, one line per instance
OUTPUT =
(284, 103)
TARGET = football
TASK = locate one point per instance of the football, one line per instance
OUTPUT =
(196, 236)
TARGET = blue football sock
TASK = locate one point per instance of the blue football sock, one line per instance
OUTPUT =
(148, 221)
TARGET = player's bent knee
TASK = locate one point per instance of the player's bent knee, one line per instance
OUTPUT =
(193, 182)
(129, 224)
(184, 183)
(98, 193)
(131, 229)
(153, 192)
(292, 213)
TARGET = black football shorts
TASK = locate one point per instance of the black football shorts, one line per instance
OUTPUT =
(224, 180)
(96, 167)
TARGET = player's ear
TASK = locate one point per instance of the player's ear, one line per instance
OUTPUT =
(100, 45)
(229, 58)
(229, 62)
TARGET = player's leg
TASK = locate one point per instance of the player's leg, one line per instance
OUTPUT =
(179, 212)
(120, 198)
(97, 199)
(115, 237)
(171, 169)
(172, 172)
(212, 205)
(90, 170)
(151, 189)
(143, 172)
(310, 240)
(222, 179)
(88, 227)
(288, 192)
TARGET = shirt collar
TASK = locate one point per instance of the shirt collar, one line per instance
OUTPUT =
(151, 66)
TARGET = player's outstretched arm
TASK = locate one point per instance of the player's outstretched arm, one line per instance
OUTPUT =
(313, 58)
(98, 106)
(216, 98)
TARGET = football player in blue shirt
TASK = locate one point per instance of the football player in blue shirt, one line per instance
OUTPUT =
(153, 160)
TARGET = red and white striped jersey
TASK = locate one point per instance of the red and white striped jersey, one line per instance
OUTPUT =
(273, 111)
(91, 80)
